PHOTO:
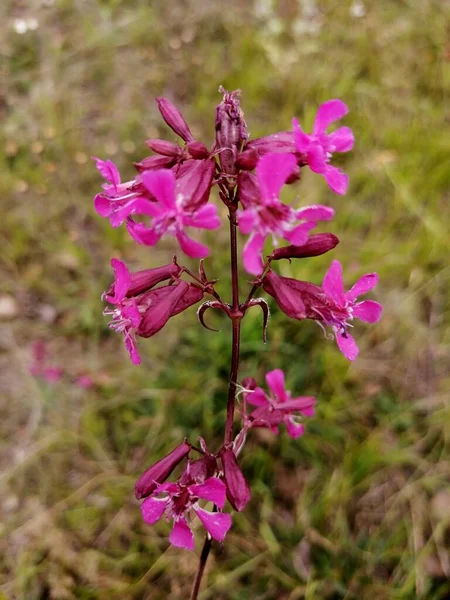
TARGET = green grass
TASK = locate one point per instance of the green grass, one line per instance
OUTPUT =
(359, 507)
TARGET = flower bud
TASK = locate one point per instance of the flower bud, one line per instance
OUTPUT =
(142, 281)
(174, 119)
(317, 244)
(231, 130)
(276, 142)
(197, 150)
(152, 163)
(194, 180)
(163, 147)
(247, 160)
(238, 490)
(160, 471)
(193, 295)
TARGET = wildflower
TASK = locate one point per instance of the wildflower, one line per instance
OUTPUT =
(146, 312)
(278, 407)
(265, 215)
(316, 149)
(171, 213)
(327, 304)
(179, 502)
(317, 244)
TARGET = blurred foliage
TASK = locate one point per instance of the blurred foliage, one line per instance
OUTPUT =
(359, 508)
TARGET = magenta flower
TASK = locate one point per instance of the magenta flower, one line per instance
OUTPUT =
(317, 148)
(144, 314)
(265, 215)
(327, 304)
(346, 307)
(171, 215)
(179, 502)
(279, 407)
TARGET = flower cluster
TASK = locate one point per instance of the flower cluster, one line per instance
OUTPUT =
(170, 196)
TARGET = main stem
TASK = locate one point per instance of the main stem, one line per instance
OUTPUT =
(236, 316)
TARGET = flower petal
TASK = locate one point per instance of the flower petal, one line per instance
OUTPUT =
(191, 247)
(247, 220)
(161, 185)
(328, 112)
(362, 286)
(317, 212)
(108, 170)
(336, 179)
(213, 490)
(332, 283)
(341, 140)
(142, 234)
(275, 381)
(368, 311)
(204, 218)
(251, 254)
(299, 235)
(152, 509)
(295, 430)
(347, 345)
(122, 281)
(257, 397)
(181, 536)
(130, 345)
(272, 171)
(102, 205)
(216, 524)
(302, 139)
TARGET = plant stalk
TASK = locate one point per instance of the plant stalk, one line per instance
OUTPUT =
(236, 316)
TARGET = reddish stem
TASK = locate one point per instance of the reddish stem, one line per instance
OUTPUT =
(235, 315)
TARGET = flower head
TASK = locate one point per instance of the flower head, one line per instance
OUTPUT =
(146, 311)
(180, 502)
(328, 304)
(316, 149)
(279, 407)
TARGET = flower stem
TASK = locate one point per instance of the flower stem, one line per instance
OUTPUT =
(235, 316)
(201, 567)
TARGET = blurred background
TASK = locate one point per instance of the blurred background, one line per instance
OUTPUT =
(359, 508)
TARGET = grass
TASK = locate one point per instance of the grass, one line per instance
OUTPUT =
(359, 507)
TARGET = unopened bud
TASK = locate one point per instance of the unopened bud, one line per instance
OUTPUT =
(160, 471)
(164, 147)
(174, 119)
(152, 163)
(247, 160)
(238, 490)
(231, 130)
(317, 244)
(197, 150)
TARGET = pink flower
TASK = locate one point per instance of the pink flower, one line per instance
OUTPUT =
(346, 307)
(148, 310)
(171, 215)
(279, 407)
(265, 215)
(317, 149)
(180, 502)
(328, 304)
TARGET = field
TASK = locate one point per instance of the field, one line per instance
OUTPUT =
(359, 507)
